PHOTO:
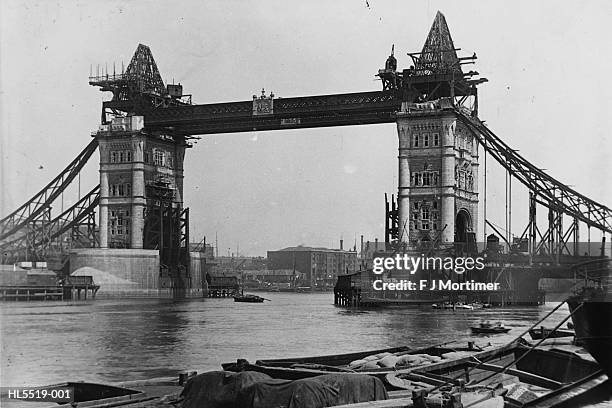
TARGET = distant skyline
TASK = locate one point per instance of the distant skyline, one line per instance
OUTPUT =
(548, 65)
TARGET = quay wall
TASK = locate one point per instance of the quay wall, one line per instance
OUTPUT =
(133, 273)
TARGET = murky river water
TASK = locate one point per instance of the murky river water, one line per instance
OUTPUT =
(120, 340)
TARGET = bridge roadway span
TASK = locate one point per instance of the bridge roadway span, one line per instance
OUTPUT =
(287, 113)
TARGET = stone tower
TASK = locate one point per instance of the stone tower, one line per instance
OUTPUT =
(143, 223)
(438, 154)
(438, 176)
(139, 175)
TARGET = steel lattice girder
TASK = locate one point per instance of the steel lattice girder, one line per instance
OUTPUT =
(556, 194)
(35, 206)
(47, 232)
(288, 113)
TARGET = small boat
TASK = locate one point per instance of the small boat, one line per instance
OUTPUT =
(303, 289)
(479, 305)
(458, 306)
(330, 360)
(517, 375)
(162, 392)
(249, 299)
(463, 306)
(545, 332)
(489, 328)
(373, 362)
(68, 393)
(445, 305)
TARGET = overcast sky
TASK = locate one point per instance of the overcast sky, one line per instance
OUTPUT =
(548, 65)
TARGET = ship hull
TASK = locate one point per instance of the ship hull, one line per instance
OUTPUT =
(593, 326)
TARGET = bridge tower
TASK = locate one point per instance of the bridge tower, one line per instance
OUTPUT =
(141, 177)
(438, 155)
(141, 171)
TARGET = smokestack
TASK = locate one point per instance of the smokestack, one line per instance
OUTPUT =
(361, 251)
(341, 244)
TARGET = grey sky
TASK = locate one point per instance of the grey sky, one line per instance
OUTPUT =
(548, 65)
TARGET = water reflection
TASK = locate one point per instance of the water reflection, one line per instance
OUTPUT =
(117, 340)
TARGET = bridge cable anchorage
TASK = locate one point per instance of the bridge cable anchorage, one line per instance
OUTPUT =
(34, 208)
(559, 196)
(45, 233)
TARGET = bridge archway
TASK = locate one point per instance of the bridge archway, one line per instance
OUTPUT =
(463, 225)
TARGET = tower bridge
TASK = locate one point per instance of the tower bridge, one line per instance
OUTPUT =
(147, 126)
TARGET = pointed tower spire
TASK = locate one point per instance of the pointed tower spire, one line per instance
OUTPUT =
(144, 69)
(439, 54)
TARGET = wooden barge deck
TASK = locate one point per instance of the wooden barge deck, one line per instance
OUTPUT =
(555, 374)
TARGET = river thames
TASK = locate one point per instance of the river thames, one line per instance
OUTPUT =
(130, 339)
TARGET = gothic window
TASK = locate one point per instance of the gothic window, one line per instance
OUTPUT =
(425, 213)
(435, 226)
(415, 140)
(426, 178)
(415, 205)
(119, 222)
(121, 156)
(425, 139)
(425, 225)
(418, 179)
(434, 205)
(120, 190)
(436, 139)
(158, 157)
